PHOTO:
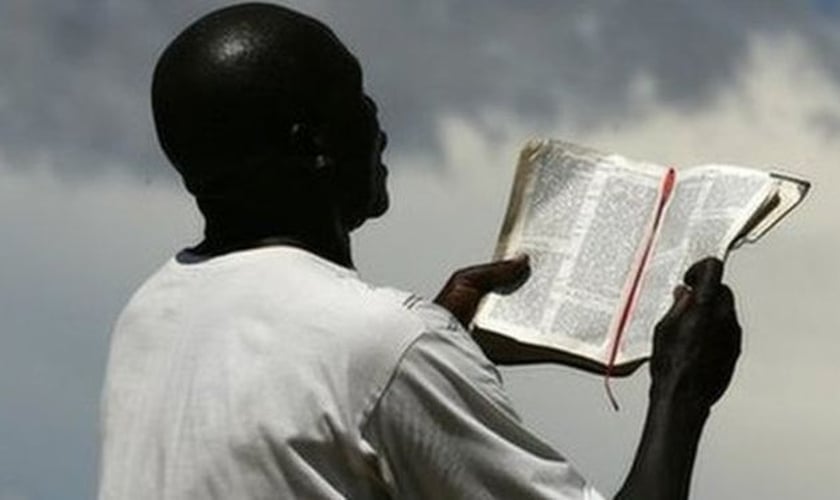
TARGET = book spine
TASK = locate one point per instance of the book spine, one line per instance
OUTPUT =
(666, 190)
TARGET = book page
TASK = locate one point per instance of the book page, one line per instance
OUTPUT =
(581, 217)
(789, 192)
(706, 212)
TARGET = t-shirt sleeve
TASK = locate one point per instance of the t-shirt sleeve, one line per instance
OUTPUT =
(444, 428)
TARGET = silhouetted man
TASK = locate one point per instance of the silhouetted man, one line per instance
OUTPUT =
(258, 364)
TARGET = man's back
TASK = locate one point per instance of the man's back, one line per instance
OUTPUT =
(249, 376)
(263, 371)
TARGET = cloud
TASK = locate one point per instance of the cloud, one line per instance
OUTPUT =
(76, 73)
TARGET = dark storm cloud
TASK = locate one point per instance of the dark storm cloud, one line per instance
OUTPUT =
(75, 74)
(73, 87)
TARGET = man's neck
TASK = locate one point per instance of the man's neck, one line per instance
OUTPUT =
(331, 245)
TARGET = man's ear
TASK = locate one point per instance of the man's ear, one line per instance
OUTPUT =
(307, 142)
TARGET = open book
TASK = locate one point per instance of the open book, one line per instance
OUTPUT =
(609, 238)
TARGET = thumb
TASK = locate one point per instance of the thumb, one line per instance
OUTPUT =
(704, 277)
(465, 289)
(486, 277)
(682, 301)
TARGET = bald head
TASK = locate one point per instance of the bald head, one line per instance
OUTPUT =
(252, 103)
(249, 88)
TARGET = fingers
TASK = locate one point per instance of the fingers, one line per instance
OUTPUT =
(724, 313)
(725, 302)
(704, 278)
(465, 289)
(703, 286)
(485, 277)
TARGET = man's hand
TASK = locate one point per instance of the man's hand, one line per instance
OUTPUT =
(465, 289)
(698, 341)
(694, 352)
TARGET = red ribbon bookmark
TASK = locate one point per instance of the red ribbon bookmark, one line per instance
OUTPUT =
(667, 187)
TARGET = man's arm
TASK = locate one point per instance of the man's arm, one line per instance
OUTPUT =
(695, 349)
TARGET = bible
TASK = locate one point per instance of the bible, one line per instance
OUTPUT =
(608, 239)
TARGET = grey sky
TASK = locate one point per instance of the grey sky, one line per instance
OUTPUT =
(76, 72)
(87, 209)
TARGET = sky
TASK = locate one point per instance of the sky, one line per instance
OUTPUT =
(89, 206)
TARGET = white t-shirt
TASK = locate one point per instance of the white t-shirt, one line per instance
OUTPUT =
(273, 373)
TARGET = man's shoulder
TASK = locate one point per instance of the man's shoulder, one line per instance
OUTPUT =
(387, 321)
(313, 286)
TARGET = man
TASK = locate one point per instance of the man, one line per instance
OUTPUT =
(257, 364)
